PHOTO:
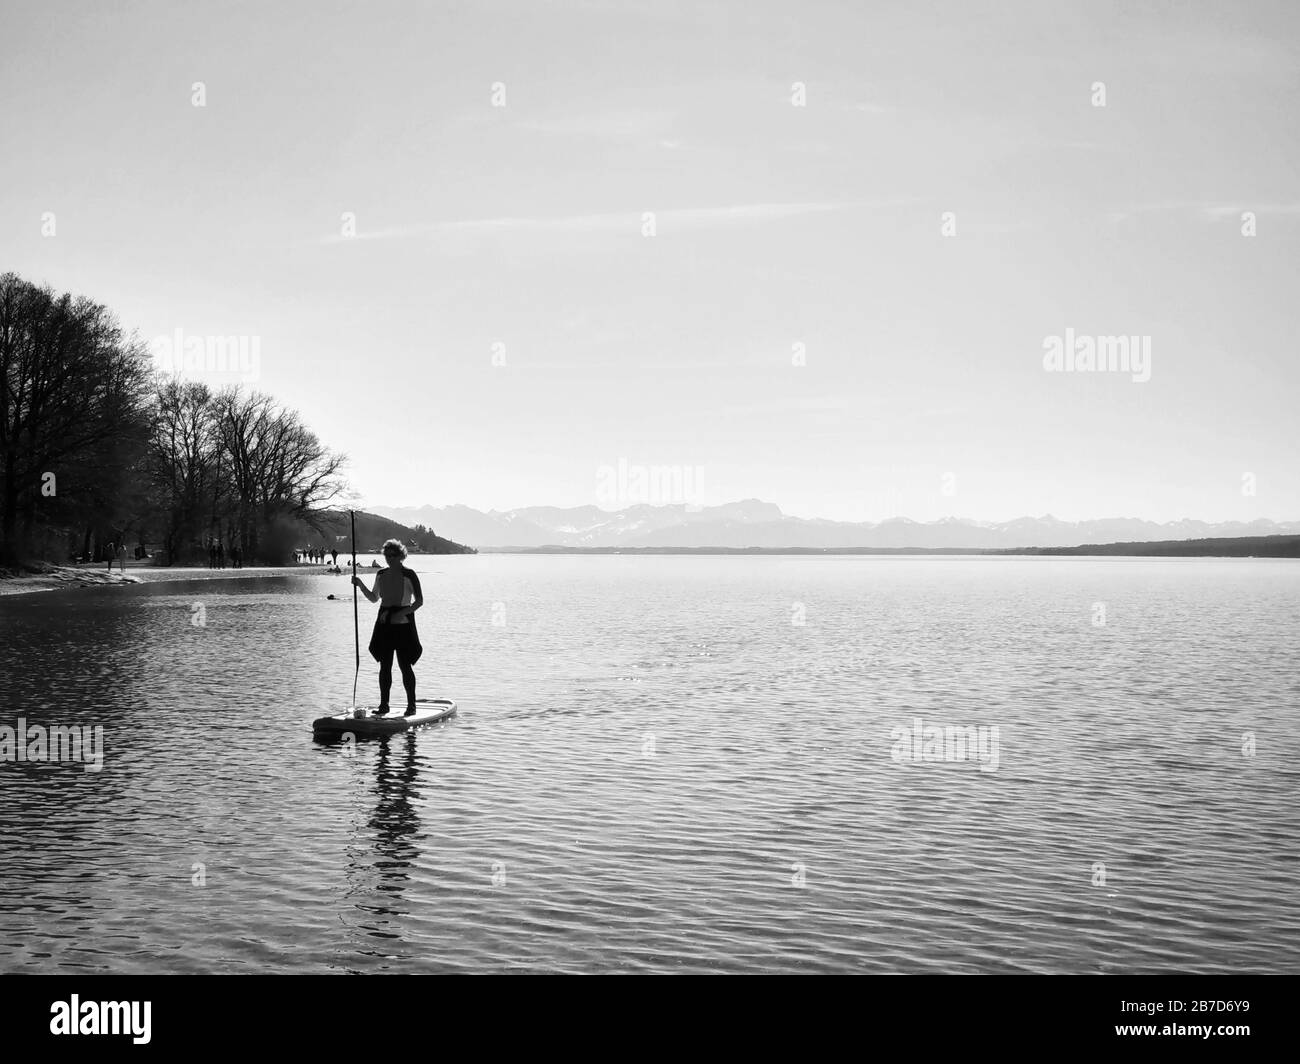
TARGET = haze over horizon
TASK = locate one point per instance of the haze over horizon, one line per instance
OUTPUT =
(755, 524)
(380, 506)
(788, 223)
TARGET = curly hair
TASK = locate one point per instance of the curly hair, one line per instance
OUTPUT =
(397, 545)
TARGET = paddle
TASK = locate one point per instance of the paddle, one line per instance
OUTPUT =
(356, 624)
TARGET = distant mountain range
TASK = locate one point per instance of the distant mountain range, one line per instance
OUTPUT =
(752, 523)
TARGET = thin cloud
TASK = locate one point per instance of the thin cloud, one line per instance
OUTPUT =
(1215, 214)
(1212, 212)
(619, 221)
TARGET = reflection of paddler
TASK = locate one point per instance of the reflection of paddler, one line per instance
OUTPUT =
(395, 819)
(397, 590)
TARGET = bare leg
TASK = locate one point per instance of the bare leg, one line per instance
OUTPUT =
(408, 681)
(385, 677)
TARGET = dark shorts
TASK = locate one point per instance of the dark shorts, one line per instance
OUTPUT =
(399, 639)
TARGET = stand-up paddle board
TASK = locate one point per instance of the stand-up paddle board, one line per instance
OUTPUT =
(427, 711)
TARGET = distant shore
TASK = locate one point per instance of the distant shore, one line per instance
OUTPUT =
(47, 577)
(1284, 546)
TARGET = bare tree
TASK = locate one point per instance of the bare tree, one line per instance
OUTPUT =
(183, 466)
(79, 401)
(73, 403)
(278, 469)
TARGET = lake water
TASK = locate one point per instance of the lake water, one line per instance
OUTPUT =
(669, 764)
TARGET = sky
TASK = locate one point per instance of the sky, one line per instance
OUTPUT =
(811, 253)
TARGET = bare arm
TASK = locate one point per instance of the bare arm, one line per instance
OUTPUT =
(371, 596)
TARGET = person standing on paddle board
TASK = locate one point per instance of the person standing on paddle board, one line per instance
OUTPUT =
(397, 590)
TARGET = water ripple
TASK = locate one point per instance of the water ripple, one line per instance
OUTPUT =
(656, 770)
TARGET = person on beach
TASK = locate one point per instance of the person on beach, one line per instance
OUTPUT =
(334, 554)
(397, 590)
(121, 558)
(108, 550)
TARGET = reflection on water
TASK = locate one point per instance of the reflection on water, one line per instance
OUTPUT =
(381, 862)
(655, 768)
(395, 822)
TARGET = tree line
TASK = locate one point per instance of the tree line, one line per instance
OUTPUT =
(97, 446)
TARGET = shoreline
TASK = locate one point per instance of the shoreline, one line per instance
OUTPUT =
(44, 576)
(66, 577)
